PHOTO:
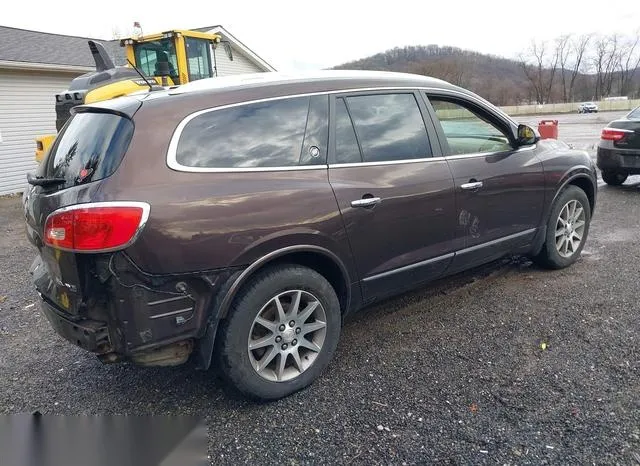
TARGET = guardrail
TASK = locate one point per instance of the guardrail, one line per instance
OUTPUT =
(603, 106)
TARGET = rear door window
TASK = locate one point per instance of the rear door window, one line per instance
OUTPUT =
(389, 127)
(89, 148)
(255, 135)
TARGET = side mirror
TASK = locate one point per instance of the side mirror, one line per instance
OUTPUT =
(527, 135)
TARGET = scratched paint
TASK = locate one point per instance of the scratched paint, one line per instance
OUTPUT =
(470, 222)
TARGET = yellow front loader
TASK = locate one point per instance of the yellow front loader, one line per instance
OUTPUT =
(169, 58)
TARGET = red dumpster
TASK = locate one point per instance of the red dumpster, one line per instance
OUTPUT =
(548, 129)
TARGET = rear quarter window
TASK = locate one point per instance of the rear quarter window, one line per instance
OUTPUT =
(89, 148)
(279, 133)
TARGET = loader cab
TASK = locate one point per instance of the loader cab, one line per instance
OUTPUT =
(177, 57)
(150, 57)
(169, 58)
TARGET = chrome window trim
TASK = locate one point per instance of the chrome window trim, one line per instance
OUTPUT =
(385, 162)
(173, 163)
(146, 209)
(186, 168)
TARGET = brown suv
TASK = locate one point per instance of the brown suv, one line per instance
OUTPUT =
(243, 218)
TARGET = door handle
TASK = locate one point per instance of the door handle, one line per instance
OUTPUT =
(365, 202)
(472, 185)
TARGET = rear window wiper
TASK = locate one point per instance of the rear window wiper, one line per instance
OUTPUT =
(42, 181)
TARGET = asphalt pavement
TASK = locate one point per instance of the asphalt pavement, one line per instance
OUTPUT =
(506, 364)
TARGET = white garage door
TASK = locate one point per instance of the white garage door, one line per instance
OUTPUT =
(27, 110)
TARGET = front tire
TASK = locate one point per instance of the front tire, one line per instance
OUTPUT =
(567, 229)
(614, 178)
(281, 332)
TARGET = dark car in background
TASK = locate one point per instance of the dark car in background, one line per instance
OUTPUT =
(618, 153)
(237, 221)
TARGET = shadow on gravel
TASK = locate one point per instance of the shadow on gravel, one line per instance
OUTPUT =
(443, 286)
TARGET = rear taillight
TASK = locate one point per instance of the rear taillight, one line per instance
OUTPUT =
(95, 227)
(614, 134)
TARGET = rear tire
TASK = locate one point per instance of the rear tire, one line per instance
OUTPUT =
(267, 320)
(569, 219)
(614, 178)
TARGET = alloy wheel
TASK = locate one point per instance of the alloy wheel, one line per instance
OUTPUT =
(570, 228)
(287, 335)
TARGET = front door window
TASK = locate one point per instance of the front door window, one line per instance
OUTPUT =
(466, 131)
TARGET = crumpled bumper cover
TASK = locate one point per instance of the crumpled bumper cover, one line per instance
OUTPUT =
(91, 335)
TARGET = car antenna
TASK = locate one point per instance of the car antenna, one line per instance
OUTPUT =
(141, 75)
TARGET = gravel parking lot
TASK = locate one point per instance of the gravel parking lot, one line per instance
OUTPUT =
(507, 364)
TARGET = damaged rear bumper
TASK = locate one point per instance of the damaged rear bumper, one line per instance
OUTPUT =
(124, 314)
(91, 335)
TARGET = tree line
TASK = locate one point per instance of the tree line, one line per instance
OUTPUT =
(582, 67)
(567, 69)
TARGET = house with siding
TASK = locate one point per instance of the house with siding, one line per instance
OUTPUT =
(34, 66)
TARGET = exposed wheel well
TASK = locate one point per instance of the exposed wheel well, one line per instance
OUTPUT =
(588, 188)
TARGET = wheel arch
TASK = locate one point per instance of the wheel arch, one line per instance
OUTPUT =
(586, 184)
(317, 258)
(580, 177)
(582, 180)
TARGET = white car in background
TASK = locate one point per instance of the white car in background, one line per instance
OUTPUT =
(587, 107)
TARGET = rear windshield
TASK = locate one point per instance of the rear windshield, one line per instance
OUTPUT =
(634, 114)
(89, 148)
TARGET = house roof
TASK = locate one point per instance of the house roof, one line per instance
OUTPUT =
(25, 48)
(34, 47)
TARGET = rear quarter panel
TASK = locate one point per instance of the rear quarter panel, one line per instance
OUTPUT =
(216, 220)
(208, 221)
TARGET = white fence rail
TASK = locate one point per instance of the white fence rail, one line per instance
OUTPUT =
(603, 106)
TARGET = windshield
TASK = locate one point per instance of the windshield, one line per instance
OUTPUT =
(149, 54)
(89, 148)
